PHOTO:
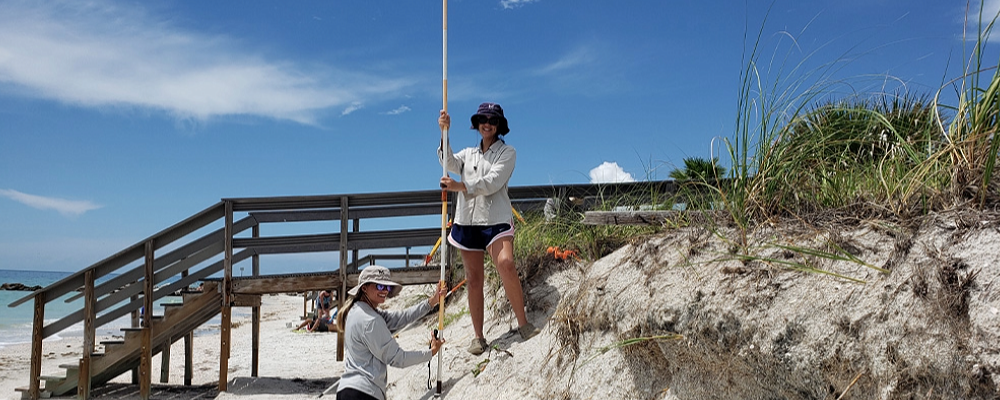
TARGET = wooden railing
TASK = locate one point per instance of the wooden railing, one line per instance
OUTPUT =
(158, 275)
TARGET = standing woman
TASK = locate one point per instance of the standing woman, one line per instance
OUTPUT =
(483, 218)
(368, 335)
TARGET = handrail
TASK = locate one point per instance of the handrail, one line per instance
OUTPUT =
(434, 196)
(124, 279)
(170, 288)
(133, 253)
(370, 259)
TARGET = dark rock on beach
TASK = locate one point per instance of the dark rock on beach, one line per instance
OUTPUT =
(19, 287)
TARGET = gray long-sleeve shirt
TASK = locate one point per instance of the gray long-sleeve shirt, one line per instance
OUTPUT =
(371, 347)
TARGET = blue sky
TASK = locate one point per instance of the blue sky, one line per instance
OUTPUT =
(121, 118)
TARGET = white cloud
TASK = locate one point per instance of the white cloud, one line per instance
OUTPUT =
(610, 172)
(97, 54)
(583, 70)
(580, 56)
(70, 208)
(352, 108)
(400, 110)
(990, 9)
(509, 4)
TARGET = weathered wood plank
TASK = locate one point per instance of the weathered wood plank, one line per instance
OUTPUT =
(342, 291)
(650, 217)
(295, 284)
(227, 293)
(146, 364)
(146, 359)
(89, 333)
(188, 358)
(246, 300)
(407, 276)
(34, 387)
(265, 285)
(165, 361)
(255, 315)
(227, 322)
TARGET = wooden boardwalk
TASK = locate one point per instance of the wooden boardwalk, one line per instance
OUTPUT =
(183, 255)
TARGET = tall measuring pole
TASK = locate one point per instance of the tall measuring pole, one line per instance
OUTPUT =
(444, 193)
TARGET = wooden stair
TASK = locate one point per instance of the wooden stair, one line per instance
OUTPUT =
(120, 356)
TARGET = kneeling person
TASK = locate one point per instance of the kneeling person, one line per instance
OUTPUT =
(368, 335)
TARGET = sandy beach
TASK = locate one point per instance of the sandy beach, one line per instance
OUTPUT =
(293, 364)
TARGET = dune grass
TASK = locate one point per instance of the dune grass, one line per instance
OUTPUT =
(878, 155)
(801, 149)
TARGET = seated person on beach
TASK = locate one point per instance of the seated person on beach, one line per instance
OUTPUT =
(328, 321)
(313, 324)
(324, 304)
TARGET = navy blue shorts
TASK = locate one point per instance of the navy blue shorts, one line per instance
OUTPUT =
(478, 237)
(353, 394)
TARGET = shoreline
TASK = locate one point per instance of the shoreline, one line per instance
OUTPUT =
(20, 333)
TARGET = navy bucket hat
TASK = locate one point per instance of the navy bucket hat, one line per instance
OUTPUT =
(491, 110)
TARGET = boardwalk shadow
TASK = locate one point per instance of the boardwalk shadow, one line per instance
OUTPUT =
(156, 392)
(279, 386)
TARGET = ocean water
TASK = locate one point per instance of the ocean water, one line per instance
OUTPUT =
(15, 323)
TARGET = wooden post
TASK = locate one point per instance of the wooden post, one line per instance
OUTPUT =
(227, 288)
(188, 350)
(255, 354)
(89, 331)
(34, 388)
(188, 358)
(165, 361)
(354, 254)
(135, 324)
(146, 354)
(342, 293)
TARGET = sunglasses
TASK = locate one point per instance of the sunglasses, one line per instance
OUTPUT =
(482, 119)
(380, 287)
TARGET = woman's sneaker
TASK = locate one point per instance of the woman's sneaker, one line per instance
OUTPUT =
(527, 331)
(478, 346)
